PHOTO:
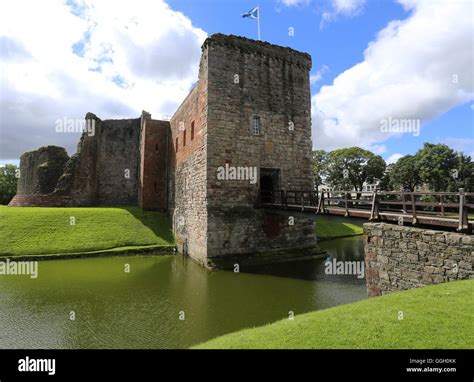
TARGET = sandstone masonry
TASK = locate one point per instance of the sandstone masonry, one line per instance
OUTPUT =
(399, 257)
(251, 110)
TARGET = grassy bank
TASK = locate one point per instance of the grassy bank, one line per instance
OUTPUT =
(330, 228)
(33, 231)
(438, 316)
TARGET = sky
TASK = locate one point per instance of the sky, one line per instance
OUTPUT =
(376, 63)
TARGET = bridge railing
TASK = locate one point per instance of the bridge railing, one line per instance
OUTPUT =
(285, 198)
(444, 207)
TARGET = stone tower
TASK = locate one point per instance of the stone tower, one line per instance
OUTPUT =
(244, 128)
(246, 125)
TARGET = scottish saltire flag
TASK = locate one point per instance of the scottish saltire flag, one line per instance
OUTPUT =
(253, 13)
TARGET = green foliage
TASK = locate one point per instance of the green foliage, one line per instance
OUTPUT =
(8, 181)
(438, 167)
(320, 158)
(350, 167)
(405, 174)
(45, 231)
(435, 163)
(434, 317)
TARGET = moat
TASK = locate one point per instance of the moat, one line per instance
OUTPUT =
(142, 309)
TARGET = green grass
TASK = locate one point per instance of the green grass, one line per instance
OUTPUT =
(328, 229)
(44, 231)
(437, 316)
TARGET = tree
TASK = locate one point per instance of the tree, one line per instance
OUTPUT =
(437, 166)
(352, 167)
(8, 181)
(405, 174)
(320, 158)
(463, 174)
(385, 182)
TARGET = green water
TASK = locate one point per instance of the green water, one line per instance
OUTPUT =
(141, 309)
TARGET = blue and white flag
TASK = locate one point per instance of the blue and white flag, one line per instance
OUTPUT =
(253, 13)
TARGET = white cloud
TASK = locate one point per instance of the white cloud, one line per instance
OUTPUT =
(345, 8)
(112, 58)
(464, 145)
(315, 78)
(376, 149)
(291, 3)
(394, 158)
(408, 72)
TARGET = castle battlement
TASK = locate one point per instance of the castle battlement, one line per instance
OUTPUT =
(260, 48)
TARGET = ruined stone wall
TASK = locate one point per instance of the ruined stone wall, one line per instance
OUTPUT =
(399, 257)
(246, 79)
(40, 170)
(118, 160)
(187, 175)
(105, 168)
(80, 177)
(154, 150)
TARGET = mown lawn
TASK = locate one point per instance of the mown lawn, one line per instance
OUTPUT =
(328, 229)
(437, 316)
(45, 231)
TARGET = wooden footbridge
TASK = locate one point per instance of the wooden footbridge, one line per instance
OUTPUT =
(436, 209)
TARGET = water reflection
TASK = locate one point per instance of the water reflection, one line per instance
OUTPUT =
(141, 309)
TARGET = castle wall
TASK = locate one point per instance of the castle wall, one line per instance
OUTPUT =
(154, 150)
(40, 170)
(187, 173)
(104, 170)
(272, 84)
(118, 159)
(80, 177)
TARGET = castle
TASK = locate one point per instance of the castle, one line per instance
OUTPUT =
(243, 128)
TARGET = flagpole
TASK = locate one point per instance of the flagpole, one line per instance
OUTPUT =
(258, 22)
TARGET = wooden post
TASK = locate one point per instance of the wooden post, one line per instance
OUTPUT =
(302, 200)
(345, 202)
(413, 206)
(463, 219)
(374, 212)
(442, 204)
(404, 209)
(320, 203)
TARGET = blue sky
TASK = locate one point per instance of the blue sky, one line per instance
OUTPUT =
(338, 45)
(373, 60)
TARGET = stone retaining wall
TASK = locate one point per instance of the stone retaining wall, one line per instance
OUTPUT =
(398, 257)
